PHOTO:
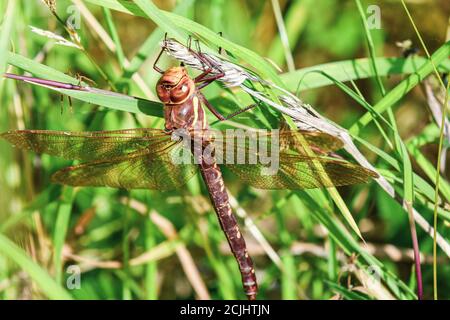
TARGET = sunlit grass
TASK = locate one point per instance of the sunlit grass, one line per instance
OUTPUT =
(152, 245)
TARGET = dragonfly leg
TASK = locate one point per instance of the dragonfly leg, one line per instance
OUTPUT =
(208, 80)
(155, 67)
(61, 101)
(70, 104)
(209, 68)
(205, 62)
(200, 77)
(82, 79)
(197, 44)
(234, 114)
(203, 77)
(189, 42)
(210, 107)
(218, 115)
(220, 33)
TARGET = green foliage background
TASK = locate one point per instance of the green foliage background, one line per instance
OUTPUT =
(152, 245)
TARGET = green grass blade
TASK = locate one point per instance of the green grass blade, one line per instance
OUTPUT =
(349, 245)
(151, 11)
(101, 98)
(5, 33)
(436, 192)
(60, 232)
(312, 77)
(151, 267)
(404, 87)
(296, 19)
(39, 275)
(114, 36)
(162, 18)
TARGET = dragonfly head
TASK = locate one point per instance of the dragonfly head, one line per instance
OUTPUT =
(175, 86)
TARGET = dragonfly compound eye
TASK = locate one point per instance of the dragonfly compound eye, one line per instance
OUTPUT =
(181, 92)
(163, 93)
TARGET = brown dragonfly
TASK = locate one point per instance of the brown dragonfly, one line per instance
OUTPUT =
(143, 158)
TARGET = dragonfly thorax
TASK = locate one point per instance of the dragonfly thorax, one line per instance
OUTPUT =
(189, 115)
(182, 107)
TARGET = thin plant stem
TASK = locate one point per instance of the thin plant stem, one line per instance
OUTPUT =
(415, 241)
(441, 137)
(76, 39)
(283, 35)
(399, 146)
(436, 191)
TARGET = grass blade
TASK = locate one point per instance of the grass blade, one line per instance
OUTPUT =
(404, 87)
(60, 232)
(39, 275)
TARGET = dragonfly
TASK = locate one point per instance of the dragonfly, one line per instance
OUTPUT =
(143, 158)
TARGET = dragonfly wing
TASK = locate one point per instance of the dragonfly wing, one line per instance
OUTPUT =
(281, 160)
(245, 143)
(302, 172)
(89, 145)
(319, 142)
(137, 171)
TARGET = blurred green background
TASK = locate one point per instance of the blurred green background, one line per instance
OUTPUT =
(152, 245)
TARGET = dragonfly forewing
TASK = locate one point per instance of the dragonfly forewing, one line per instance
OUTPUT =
(284, 141)
(130, 159)
(89, 145)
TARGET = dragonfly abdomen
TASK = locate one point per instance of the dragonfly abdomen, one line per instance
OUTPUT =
(212, 176)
